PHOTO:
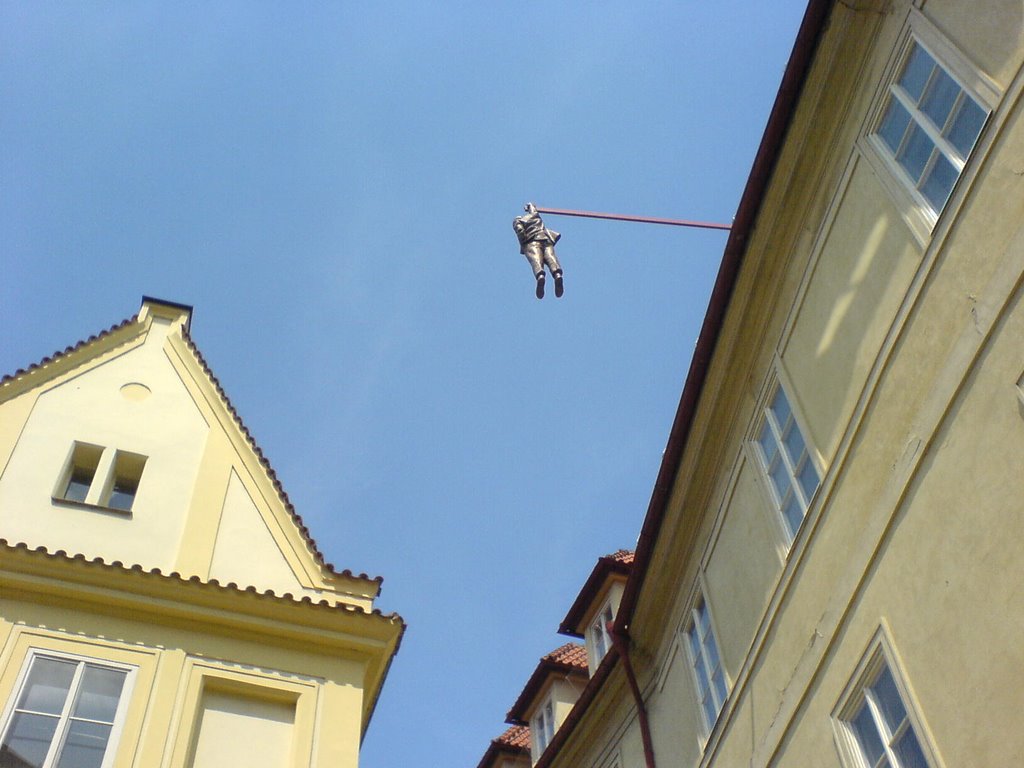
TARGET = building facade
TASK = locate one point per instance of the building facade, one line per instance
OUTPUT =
(161, 603)
(827, 573)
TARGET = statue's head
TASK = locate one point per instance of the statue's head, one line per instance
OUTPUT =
(530, 208)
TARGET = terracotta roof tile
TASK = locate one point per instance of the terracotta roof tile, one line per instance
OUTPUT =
(622, 556)
(619, 562)
(517, 736)
(570, 658)
(569, 655)
(514, 741)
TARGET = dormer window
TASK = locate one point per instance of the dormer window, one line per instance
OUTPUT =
(601, 639)
(100, 477)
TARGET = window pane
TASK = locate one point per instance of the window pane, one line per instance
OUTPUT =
(694, 643)
(915, 153)
(780, 407)
(915, 73)
(767, 441)
(939, 184)
(908, 750)
(808, 479)
(84, 745)
(894, 125)
(794, 514)
(121, 498)
(47, 686)
(719, 682)
(794, 443)
(711, 652)
(27, 741)
(702, 677)
(888, 699)
(100, 692)
(709, 710)
(867, 735)
(966, 126)
(938, 101)
(702, 618)
(780, 479)
(78, 485)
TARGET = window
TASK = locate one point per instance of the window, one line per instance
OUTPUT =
(875, 724)
(101, 477)
(929, 125)
(85, 459)
(64, 714)
(544, 727)
(786, 462)
(706, 663)
(126, 476)
(599, 631)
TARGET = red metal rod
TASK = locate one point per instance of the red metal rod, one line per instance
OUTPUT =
(639, 219)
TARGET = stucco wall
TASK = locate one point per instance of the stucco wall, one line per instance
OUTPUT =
(165, 426)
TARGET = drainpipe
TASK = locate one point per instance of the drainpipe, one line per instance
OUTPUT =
(621, 643)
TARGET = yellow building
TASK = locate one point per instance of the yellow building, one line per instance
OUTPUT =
(828, 572)
(161, 603)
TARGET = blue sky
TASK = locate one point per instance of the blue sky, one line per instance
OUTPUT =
(332, 186)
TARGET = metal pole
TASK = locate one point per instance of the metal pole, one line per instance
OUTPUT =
(638, 219)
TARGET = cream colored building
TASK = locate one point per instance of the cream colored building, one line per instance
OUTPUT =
(161, 603)
(829, 572)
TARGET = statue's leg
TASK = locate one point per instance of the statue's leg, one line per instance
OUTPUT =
(533, 253)
(556, 269)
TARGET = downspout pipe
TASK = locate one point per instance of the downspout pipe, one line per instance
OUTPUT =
(621, 643)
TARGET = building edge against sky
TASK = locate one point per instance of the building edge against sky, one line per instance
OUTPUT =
(828, 568)
(161, 602)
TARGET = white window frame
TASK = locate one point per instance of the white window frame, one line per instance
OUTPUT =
(879, 656)
(60, 733)
(101, 487)
(809, 455)
(597, 634)
(917, 212)
(699, 660)
(542, 727)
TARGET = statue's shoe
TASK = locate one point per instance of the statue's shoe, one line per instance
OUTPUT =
(559, 288)
(540, 286)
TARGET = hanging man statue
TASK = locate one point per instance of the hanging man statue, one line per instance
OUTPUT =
(537, 244)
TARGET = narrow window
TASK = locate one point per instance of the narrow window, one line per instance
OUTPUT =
(786, 462)
(929, 126)
(878, 724)
(602, 640)
(85, 459)
(706, 663)
(544, 727)
(125, 480)
(63, 716)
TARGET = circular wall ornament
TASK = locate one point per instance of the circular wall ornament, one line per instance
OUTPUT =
(135, 391)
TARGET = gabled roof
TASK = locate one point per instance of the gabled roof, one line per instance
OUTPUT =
(514, 741)
(568, 659)
(618, 563)
(77, 353)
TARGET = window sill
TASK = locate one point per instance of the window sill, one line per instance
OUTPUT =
(92, 507)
